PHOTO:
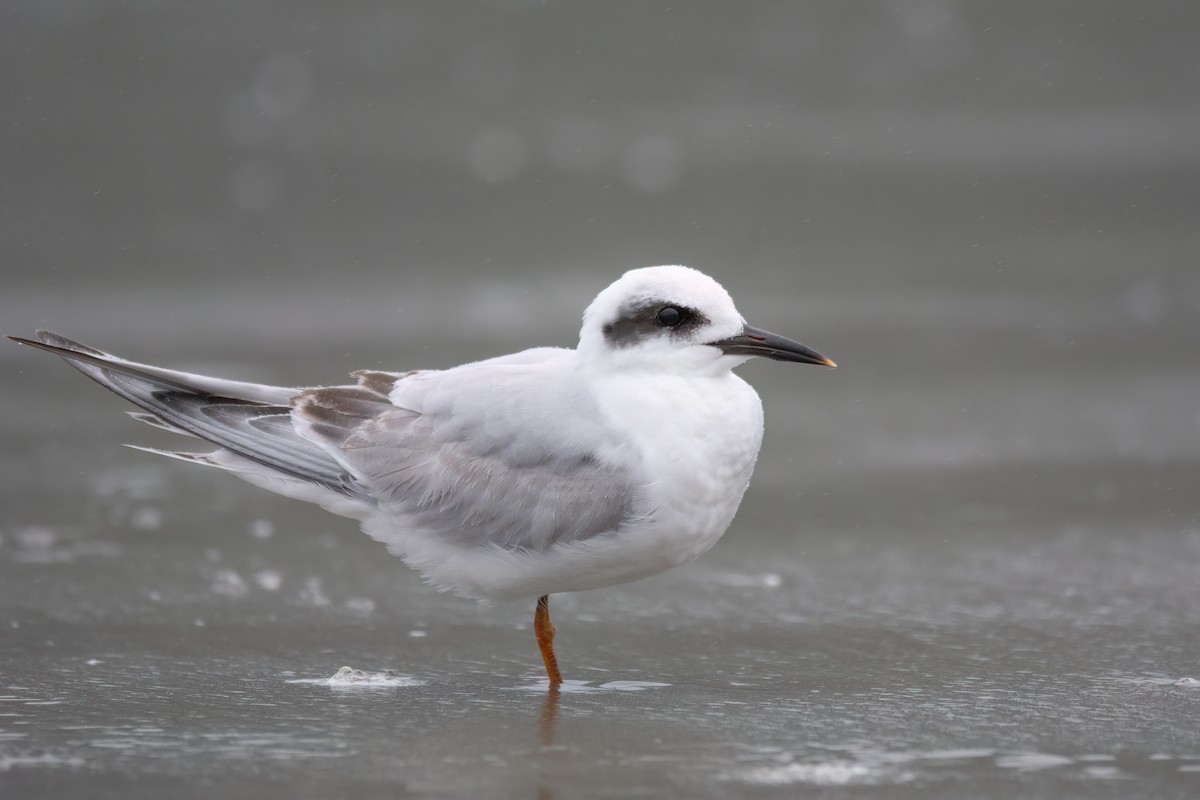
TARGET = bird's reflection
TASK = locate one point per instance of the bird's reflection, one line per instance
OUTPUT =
(548, 734)
(548, 718)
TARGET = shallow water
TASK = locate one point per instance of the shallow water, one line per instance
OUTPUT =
(967, 564)
(927, 614)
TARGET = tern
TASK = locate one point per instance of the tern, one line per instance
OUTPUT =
(549, 470)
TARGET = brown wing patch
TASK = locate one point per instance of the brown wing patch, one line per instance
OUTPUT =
(334, 412)
(380, 383)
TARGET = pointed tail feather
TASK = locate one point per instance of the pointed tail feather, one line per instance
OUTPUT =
(251, 420)
(81, 355)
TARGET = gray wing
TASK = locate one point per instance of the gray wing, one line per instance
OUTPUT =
(486, 454)
(247, 419)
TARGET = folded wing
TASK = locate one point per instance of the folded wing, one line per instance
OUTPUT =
(478, 455)
(488, 454)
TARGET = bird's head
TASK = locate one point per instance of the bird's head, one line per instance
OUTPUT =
(676, 319)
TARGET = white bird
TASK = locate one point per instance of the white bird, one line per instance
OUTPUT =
(549, 470)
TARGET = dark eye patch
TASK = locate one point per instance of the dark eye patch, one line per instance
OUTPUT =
(648, 319)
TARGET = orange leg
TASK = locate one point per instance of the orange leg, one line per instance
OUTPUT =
(544, 631)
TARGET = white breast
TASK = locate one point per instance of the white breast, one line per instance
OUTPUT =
(698, 439)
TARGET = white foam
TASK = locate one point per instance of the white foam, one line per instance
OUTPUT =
(349, 677)
(1032, 761)
(824, 773)
(745, 580)
(630, 686)
(1160, 679)
(228, 583)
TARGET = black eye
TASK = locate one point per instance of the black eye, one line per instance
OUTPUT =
(670, 316)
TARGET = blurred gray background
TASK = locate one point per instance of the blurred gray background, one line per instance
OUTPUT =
(986, 213)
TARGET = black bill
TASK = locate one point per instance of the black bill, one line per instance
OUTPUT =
(757, 342)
